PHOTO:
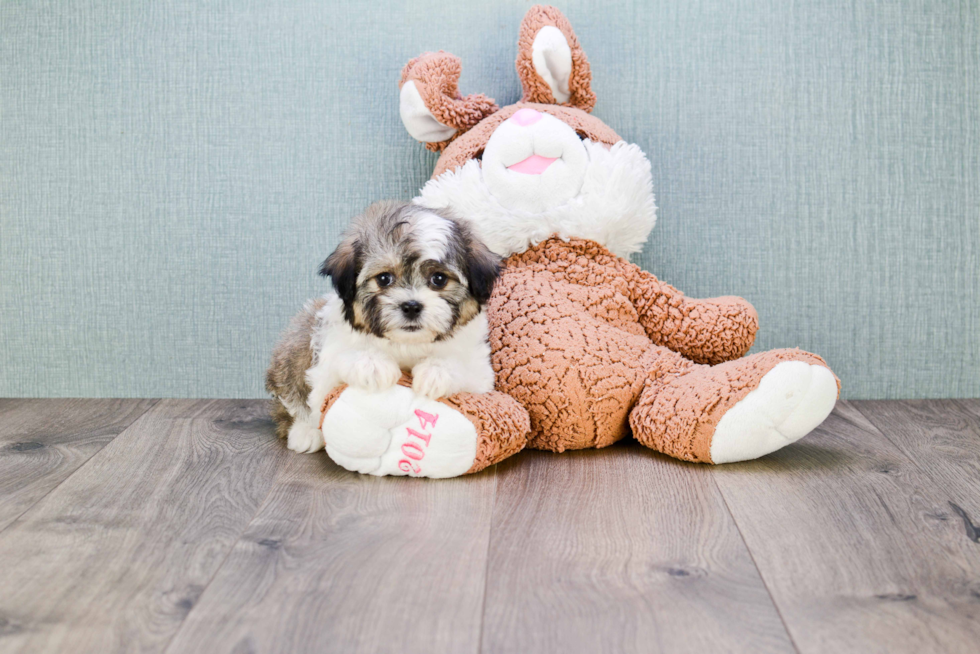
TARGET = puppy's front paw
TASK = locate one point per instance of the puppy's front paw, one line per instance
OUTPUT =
(433, 380)
(373, 373)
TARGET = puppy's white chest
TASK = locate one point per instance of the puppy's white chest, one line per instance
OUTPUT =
(407, 356)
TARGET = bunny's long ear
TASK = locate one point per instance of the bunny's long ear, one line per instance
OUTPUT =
(550, 62)
(430, 105)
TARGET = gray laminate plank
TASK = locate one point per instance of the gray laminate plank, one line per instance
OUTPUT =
(620, 550)
(942, 437)
(42, 442)
(340, 562)
(858, 547)
(971, 404)
(114, 558)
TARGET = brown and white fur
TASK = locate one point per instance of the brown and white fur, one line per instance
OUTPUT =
(409, 285)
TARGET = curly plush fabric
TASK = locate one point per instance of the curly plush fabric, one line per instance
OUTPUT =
(578, 335)
(501, 425)
(705, 331)
(436, 76)
(535, 89)
(680, 406)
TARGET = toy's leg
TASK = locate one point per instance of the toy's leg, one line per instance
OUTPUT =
(396, 432)
(735, 411)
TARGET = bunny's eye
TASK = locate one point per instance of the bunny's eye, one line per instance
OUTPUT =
(385, 279)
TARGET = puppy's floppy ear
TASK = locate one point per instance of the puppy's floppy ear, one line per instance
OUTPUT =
(482, 267)
(342, 267)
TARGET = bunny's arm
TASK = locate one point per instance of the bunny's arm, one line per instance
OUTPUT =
(705, 331)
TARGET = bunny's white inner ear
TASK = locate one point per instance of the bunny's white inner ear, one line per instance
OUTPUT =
(417, 118)
(552, 59)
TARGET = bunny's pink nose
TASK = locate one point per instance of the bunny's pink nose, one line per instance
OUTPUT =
(526, 116)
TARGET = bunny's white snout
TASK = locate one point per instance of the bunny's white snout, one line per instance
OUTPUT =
(534, 162)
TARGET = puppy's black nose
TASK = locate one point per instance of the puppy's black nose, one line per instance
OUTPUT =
(411, 309)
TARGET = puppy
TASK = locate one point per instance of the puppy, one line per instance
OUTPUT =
(409, 285)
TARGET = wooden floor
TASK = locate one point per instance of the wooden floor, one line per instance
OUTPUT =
(184, 526)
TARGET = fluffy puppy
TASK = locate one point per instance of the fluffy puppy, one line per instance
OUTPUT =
(409, 285)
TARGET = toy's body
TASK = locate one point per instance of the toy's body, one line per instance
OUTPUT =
(589, 346)
(588, 342)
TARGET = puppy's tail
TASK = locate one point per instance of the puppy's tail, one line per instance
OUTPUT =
(282, 417)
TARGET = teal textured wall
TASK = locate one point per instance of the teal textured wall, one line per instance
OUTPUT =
(171, 173)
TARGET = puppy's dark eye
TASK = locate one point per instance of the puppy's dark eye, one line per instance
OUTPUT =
(385, 279)
(438, 280)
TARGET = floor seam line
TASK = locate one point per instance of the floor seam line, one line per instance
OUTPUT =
(84, 463)
(486, 565)
(261, 505)
(755, 565)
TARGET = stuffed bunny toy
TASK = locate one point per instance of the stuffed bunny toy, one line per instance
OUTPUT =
(587, 348)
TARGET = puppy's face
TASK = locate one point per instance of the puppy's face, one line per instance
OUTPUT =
(410, 275)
